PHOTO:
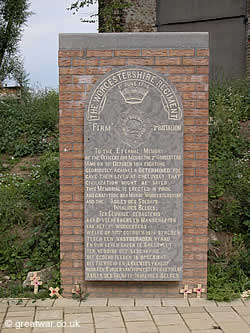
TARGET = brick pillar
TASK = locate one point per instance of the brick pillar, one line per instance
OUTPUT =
(83, 59)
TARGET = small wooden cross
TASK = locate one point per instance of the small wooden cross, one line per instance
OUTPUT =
(54, 292)
(199, 291)
(185, 291)
(35, 281)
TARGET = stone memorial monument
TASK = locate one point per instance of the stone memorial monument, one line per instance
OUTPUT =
(133, 172)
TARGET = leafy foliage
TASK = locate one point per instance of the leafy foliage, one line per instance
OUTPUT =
(228, 189)
(30, 127)
(110, 13)
(29, 204)
(13, 16)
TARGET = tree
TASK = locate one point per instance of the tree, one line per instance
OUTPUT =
(110, 13)
(13, 16)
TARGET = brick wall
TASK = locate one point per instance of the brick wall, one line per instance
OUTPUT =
(187, 69)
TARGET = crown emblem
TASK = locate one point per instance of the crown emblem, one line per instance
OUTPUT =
(133, 95)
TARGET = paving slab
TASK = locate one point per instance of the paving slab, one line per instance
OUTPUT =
(108, 320)
(136, 316)
(3, 307)
(15, 308)
(247, 319)
(65, 302)
(221, 317)
(13, 330)
(105, 309)
(47, 330)
(83, 309)
(233, 327)
(193, 309)
(81, 318)
(110, 330)
(209, 331)
(201, 302)
(174, 302)
(158, 310)
(195, 315)
(235, 302)
(147, 302)
(242, 310)
(14, 314)
(174, 329)
(42, 303)
(120, 301)
(94, 302)
(2, 315)
(141, 327)
(133, 308)
(49, 315)
(83, 329)
(17, 301)
(212, 309)
(200, 324)
(168, 319)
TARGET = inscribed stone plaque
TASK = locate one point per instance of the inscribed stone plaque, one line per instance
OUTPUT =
(133, 169)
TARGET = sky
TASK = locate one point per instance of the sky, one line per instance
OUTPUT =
(39, 44)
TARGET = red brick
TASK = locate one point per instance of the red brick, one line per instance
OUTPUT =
(70, 53)
(77, 180)
(180, 70)
(202, 70)
(71, 71)
(201, 172)
(84, 79)
(202, 104)
(186, 87)
(195, 95)
(202, 52)
(189, 155)
(196, 61)
(71, 172)
(67, 96)
(65, 79)
(72, 87)
(196, 129)
(99, 53)
(71, 138)
(64, 62)
(189, 172)
(66, 231)
(112, 62)
(201, 155)
(85, 62)
(154, 53)
(65, 180)
(196, 146)
(141, 61)
(195, 197)
(181, 52)
(189, 138)
(202, 138)
(195, 180)
(66, 164)
(195, 164)
(97, 70)
(65, 147)
(127, 53)
(167, 61)
(71, 188)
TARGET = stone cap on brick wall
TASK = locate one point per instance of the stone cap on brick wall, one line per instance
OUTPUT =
(133, 40)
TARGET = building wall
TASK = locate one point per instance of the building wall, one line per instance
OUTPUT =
(226, 22)
(141, 16)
